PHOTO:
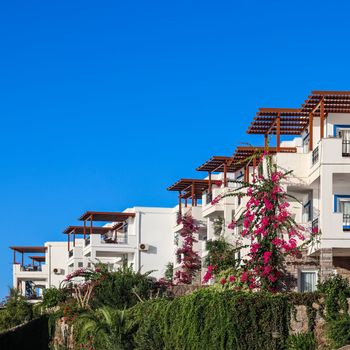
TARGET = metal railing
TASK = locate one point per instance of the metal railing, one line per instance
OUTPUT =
(87, 241)
(30, 268)
(346, 220)
(70, 253)
(315, 155)
(346, 148)
(314, 224)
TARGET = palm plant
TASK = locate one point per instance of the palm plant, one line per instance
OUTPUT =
(104, 328)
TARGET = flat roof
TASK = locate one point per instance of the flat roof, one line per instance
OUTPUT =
(106, 216)
(29, 249)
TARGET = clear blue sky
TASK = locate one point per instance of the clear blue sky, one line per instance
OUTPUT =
(103, 104)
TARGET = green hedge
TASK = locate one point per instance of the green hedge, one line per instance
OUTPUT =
(211, 319)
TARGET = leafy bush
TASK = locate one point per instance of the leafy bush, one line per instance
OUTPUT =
(122, 288)
(209, 319)
(53, 297)
(302, 341)
(336, 290)
(17, 311)
(338, 332)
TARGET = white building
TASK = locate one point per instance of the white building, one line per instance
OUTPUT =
(317, 149)
(140, 236)
(36, 272)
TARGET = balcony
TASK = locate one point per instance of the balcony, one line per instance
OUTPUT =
(346, 222)
(346, 148)
(315, 155)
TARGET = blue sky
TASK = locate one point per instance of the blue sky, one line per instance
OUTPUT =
(104, 104)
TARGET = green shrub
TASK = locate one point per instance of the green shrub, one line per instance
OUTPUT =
(17, 311)
(338, 332)
(122, 289)
(209, 319)
(302, 341)
(53, 297)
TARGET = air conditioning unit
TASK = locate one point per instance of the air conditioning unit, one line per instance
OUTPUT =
(143, 247)
(58, 271)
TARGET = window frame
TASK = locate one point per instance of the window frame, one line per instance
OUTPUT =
(301, 271)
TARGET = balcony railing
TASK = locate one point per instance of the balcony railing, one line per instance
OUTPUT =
(315, 155)
(314, 224)
(30, 268)
(70, 253)
(87, 241)
(346, 221)
(346, 148)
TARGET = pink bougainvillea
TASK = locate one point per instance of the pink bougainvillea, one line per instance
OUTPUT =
(189, 259)
(272, 231)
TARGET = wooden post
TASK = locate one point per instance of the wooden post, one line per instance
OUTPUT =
(14, 257)
(185, 202)
(69, 241)
(22, 259)
(322, 119)
(192, 194)
(254, 164)
(74, 238)
(278, 131)
(84, 229)
(180, 209)
(266, 140)
(311, 131)
(90, 226)
(225, 174)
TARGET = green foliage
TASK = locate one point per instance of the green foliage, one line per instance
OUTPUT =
(209, 319)
(221, 255)
(169, 271)
(17, 311)
(122, 288)
(104, 328)
(338, 332)
(53, 297)
(336, 290)
(302, 341)
(218, 225)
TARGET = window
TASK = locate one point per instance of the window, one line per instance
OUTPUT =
(308, 211)
(342, 205)
(308, 281)
(80, 264)
(343, 132)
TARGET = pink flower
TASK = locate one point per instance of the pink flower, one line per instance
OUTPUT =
(254, 247)
(218, 183)
(272, 278)
(315, 230)
(244, 277)
(232, 279)
(268, 204)
(223, 280)
(267, 270)
(232, 225)
(266, 257)
(216, 200)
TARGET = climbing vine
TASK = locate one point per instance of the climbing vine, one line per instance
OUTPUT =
(189, 259)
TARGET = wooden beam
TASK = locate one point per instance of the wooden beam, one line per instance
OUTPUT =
(14, 257)
(209, 187)
(22, 259)
(84, 229)
(192, 194)
(225, 174)
(278, 131)
(266, 140)
(68, 241)
(311, 131)
(322, 119)
(180, 209)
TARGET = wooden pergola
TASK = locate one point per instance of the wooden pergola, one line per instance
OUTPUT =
(243, 158)
(278, 121)
(81, 230)
(320, 103)
(37, 258)
(27, 249)
(103, 216)
(189, 188)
